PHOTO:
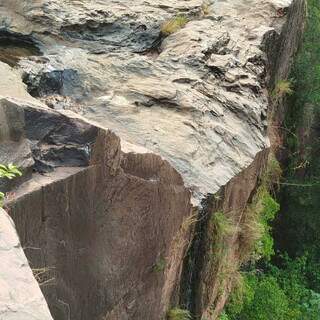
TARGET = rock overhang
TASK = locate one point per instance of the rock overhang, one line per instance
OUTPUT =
(200, 100)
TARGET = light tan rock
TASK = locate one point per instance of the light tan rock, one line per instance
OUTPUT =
(20, 295)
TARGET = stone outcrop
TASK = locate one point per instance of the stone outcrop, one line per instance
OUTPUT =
(20, 295)
(202, 87)
(120, 130)
(110, 228)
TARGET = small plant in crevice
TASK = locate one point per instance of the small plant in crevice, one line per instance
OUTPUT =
(272, 174)
(282, 88)
(255, 236)
(8, 172)
(173, 25)
(223, 225)
(160, 265)
(178, 314)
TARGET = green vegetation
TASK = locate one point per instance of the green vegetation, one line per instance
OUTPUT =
(276, 293)
(222, 224)
(8, 172)
(178, 314)
(282, 88)
(173, 25)
(256, 239)
(283, 280)
(299, 195)
(223, 228)
(160, 265)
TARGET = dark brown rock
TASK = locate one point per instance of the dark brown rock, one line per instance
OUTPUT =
(101, 229)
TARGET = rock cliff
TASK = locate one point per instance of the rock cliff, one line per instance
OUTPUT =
(20, 295)
(124, 130)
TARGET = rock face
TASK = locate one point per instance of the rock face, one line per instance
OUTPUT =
(112, 218)
(202, 87)
(20, 295)
(110, 228)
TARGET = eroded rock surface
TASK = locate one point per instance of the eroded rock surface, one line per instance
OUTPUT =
(20, 295)
(108, 227)
(197, 97)
(111, 217)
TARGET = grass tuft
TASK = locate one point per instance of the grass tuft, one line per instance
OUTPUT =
(179, 314)
(222, 224)
(160, 265)
(282, 88)
(173, 25)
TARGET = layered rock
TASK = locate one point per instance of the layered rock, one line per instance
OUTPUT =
(111, 217)
(109, 227)
(202, 87)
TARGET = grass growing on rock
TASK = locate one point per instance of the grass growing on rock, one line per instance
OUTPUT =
(8, 172)
(179, 314)
(173, 25)
(160, 265)
(223, 227)
(255, 235)
(282, 88)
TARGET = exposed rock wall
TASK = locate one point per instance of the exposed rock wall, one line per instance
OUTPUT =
(202, 87)
(203, 291)
(20, 295)
(111, 218)
(100, 228)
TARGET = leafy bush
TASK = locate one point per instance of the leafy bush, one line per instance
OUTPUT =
(264, 300)
(276, 293)
(264, 247)
(179, 314)
(8, 172)
(224, 316)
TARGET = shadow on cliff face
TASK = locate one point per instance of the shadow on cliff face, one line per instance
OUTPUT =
(136, 37)
(95, 218)
(13, 47)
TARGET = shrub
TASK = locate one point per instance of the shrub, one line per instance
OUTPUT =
(179, 314)
(273, 172)
(222, 224)
(256, 232)
(223, 316)
(282, 88)
(8, 172)
(269, 300)
(278, 293)
(173, 25)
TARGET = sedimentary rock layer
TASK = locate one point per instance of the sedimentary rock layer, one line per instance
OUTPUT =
(197, 97)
